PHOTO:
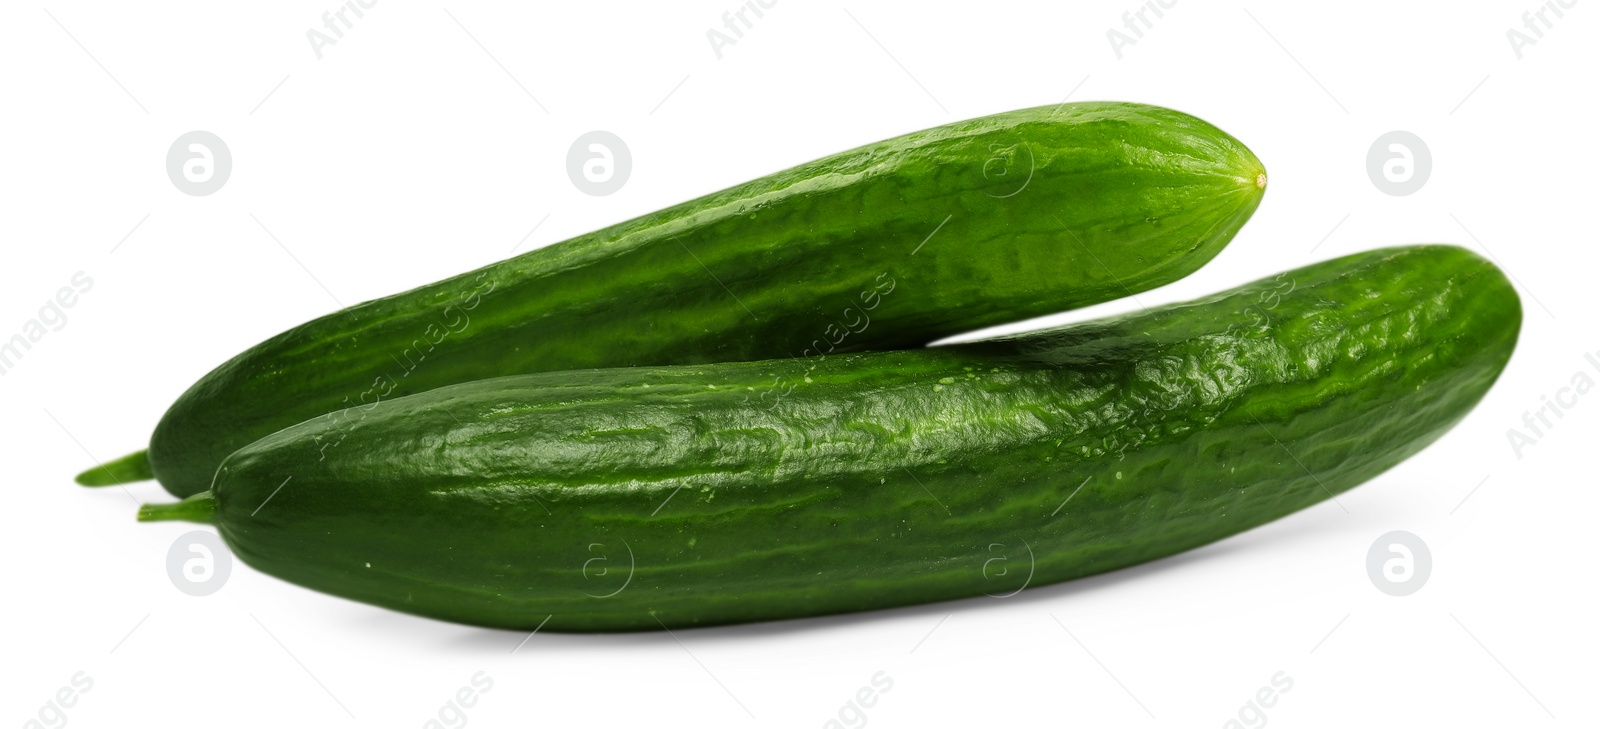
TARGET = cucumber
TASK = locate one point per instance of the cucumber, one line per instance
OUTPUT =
(638, 498)
(891, 245)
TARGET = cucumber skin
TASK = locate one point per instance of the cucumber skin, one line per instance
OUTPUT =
(1120, 198)
(1058, 454)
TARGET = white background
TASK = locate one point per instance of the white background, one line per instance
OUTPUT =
(409, 152)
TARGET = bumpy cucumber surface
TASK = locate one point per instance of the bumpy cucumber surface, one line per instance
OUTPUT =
(890, 245)
(636, 498)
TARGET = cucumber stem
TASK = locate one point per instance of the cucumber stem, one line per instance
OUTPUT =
(200, 508)
(129, 468)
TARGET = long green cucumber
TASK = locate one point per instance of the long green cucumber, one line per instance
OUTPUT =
(891, 245)
(638, 498)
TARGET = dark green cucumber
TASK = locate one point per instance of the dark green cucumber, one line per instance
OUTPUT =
(637, 498)
(891, 245)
